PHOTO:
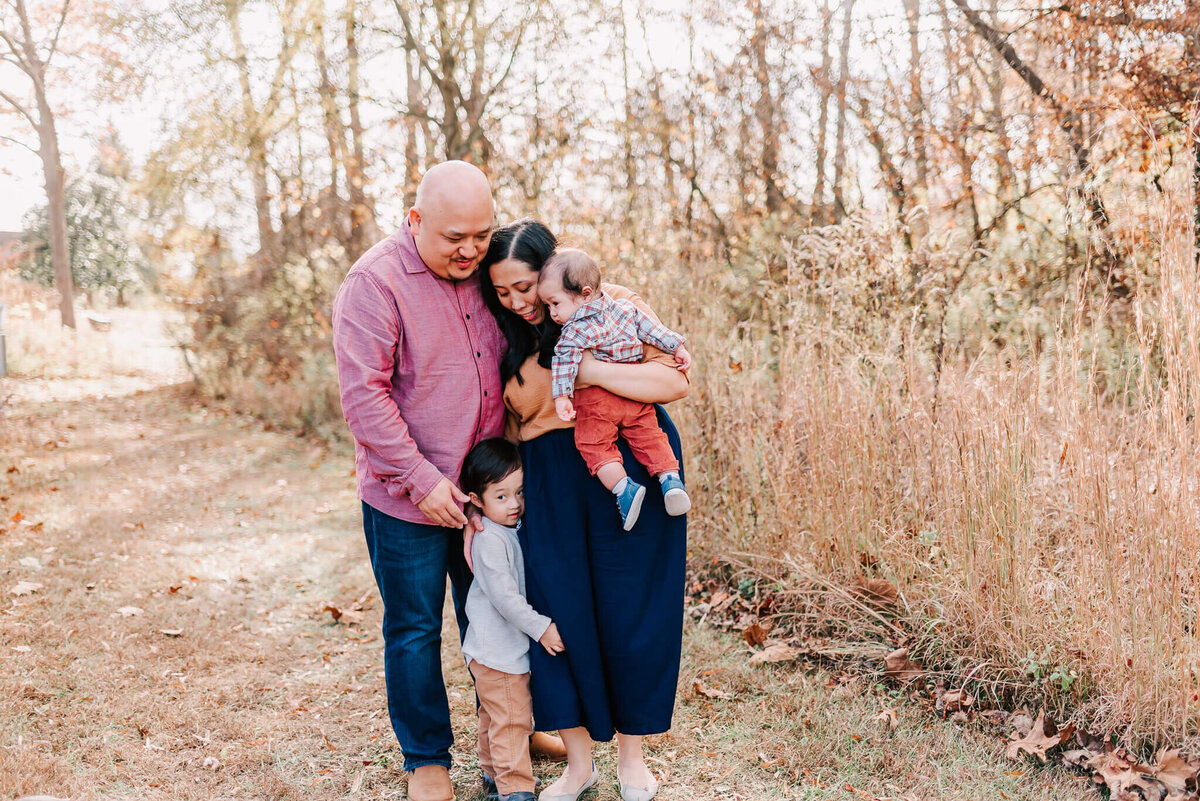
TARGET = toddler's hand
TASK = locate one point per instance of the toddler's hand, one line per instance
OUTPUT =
(683, 359)
(551, 641)
(565, 409)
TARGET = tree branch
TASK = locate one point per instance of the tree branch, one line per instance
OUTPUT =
(58, 30)
(19, 144)
(20, 108)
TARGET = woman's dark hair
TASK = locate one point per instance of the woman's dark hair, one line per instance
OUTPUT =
(488, 462)
(530, 242)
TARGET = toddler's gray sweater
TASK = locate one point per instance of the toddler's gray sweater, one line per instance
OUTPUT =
(501, 621)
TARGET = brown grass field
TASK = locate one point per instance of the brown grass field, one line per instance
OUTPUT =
(178, 645)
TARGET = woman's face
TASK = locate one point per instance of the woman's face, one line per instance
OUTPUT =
(515, 283)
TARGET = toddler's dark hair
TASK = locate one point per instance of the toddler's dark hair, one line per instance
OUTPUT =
(488, 462)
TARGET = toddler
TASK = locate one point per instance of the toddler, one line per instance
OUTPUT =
(501, 622)
(613, 330)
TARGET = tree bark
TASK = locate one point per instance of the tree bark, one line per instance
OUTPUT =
(363, 230)
(764, 111)
(24, 52)
(817, 212)
(839, 137)
(919, 222)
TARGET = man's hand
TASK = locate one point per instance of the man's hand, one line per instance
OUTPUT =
(474, 524)
(565, 409)
(440, 507)
(683, 359)
(551, 641)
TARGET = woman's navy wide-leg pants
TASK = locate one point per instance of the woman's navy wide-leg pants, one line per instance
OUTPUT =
(616, 596)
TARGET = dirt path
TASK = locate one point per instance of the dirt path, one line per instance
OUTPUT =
(178, 646)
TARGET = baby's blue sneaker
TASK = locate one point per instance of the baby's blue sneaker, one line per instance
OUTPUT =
(629, 502)
(675, 497)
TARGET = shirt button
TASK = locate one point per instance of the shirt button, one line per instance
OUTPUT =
(485, 393)
(468, 317)
(478, 355)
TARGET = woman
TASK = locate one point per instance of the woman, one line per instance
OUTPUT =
(616, 596)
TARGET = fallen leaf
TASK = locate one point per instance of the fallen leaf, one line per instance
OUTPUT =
(211, 763)
(888, 717)
(30, 562)
(25, 588)
(18, 517)
(779, 652)
(877, 592)
(898, 666)
(174, 588)
(954, 701)
(1077, 757)
(1122, 776)
(129, 611)
(701, 690)
(1022, 723)
(12, 468)
(756, 634)
(171, 632)
(1175, 772)
(22, 649)
(1044, 736)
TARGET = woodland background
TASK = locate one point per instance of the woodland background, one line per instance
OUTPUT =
(938, 258)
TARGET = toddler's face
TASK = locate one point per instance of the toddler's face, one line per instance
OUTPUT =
(503, 501)
(560, 303)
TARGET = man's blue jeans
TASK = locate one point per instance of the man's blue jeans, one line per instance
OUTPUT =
(411, 562)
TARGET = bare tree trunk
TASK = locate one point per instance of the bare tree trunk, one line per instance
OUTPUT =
(363, 230)
(817, 211)
(52, 169)
(256, 143)
(919, 222)
(627, 133)
(839, 137)
(24, 54)
(412, 164)
(764, 111)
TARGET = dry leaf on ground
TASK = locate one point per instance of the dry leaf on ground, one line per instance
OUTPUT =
(756, 634)
(129, 611)
(1122, 775)
(778, 652)
(888, 718)
(954, 701)
(898, 666)
(701, 690)
(876, 592)
(1044, 736)
(25, 588)
(1174, 771)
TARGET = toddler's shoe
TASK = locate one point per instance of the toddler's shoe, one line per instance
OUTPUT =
(629, 502)
(675, 497)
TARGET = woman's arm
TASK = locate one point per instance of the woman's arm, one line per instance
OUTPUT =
(645, 382)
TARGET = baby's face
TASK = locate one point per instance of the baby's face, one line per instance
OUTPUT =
(560, 303)
(503, 501)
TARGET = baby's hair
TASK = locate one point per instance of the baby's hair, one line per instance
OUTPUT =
(488, 462)
(575, 268)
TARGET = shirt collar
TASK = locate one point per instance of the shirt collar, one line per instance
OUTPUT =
(592, 307)
(413, 263)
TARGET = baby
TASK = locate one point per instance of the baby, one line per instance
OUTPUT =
(501, 622)
(613, 330)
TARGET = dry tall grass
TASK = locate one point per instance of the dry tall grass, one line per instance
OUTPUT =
(1036, 507)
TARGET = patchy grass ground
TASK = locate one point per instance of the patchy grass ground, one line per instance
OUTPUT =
(177, 644)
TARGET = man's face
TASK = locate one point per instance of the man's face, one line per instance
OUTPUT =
(452, 238)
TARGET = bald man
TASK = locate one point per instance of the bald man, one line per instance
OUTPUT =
(418, 358)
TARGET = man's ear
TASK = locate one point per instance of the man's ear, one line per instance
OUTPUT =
(475, 499)
(414, 220)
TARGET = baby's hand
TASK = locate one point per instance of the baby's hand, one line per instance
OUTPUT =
(551, 641)
(683, 359)
(565, 409)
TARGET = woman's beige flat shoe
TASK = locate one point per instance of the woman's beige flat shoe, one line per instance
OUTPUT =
(637, 793)
(589, 784)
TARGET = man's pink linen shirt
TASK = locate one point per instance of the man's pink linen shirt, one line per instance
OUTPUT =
(418, 361)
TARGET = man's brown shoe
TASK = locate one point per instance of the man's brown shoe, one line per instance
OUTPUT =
(547, 746)
(430, 783)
